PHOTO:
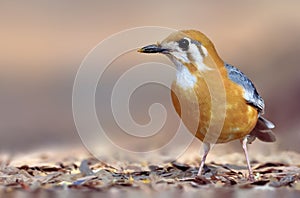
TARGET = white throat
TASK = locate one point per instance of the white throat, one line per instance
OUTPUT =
(184, 78)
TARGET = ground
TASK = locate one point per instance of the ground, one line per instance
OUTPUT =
(69, 173)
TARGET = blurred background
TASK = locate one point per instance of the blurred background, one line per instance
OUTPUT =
(42, 44)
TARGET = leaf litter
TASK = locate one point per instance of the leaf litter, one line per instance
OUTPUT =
(90, 174)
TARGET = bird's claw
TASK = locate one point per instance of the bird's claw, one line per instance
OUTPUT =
(251, 178)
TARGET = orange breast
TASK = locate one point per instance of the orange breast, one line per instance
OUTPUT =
(211, 118)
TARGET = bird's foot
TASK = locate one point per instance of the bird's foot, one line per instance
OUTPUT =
(200, 179)
(251, 178)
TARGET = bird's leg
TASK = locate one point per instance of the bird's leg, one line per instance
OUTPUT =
(244, 143)
(206, 147)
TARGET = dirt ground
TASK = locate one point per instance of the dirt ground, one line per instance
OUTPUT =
(77, 174)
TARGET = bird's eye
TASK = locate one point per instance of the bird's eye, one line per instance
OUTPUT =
(183, 44)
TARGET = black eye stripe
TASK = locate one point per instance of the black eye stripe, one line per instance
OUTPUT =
(183, 44)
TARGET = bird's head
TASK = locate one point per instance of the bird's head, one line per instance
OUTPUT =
(187, 47)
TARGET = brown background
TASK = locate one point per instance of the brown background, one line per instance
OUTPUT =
(42, 45)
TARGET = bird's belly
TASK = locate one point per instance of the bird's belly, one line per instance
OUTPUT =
(196, 113)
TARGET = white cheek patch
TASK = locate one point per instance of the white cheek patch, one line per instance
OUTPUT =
(184, 78)
(198, 58)
(204, 50)
(193, 52)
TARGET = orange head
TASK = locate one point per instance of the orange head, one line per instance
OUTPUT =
(187, 47)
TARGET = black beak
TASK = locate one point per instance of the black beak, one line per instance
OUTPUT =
(153, 49)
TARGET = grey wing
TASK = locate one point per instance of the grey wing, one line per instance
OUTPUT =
(263, 128)
(251, 95)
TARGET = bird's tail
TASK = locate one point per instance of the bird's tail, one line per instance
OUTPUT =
(263, 130)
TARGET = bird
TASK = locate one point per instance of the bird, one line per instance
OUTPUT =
(216, 97)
